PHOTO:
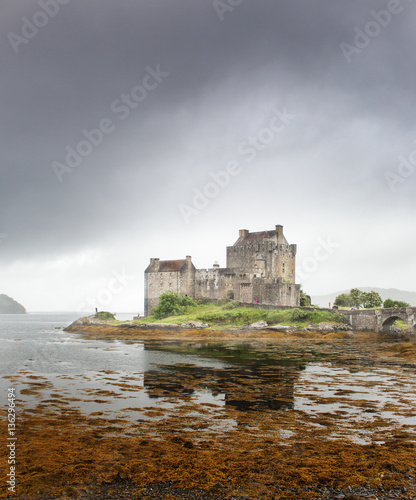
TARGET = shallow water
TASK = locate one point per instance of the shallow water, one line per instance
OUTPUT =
(341, 385)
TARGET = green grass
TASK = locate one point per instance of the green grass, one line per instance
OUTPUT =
(231, 315)
(104, 316)
(399, 323)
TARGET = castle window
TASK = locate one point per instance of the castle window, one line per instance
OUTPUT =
(283, 267)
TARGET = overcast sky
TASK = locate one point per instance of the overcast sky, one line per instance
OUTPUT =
(133, 129)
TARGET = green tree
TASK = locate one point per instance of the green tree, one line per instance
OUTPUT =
(305, 300)
(343, 300)
(371, 299)
(172, 304)
(395, 303)
(356, 297)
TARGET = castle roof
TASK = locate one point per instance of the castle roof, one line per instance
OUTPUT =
(168, 266)
(259, 237)
(171, 265)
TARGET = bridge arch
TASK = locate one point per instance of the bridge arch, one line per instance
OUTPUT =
(381, 320)
(388, 322)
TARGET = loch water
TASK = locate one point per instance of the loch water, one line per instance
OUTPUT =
(349, 379)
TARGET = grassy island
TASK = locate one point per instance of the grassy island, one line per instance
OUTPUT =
(181, 316)
(232, 315)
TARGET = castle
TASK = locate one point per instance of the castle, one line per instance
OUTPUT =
(260, 270)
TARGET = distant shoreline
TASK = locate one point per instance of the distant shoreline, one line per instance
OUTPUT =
(10, 306)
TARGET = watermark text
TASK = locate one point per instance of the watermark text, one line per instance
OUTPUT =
(223, 6)
(321, 253)
(116, 284)
(248, 149)
(11, 439)
(363, 37)
(30, 27)
(405, 168)
(120, 107)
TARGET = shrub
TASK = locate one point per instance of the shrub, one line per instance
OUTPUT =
(232, 305)
(298, 315)
(172, 304)
(395, 303)
(104, 315)
(202, 302)
(276, 317)
(305, 300)
(237, 315)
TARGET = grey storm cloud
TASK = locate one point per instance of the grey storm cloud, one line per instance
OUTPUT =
(344, 69)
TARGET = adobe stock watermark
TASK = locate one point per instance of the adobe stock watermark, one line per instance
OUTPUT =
(116, 284)
(309, 265)
(405, 168)
(248, 149)
(121, 108)
(372, 29)
(11, 439)
(223, 6)
(30, 27)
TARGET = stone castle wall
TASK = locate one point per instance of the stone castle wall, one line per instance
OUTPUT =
(271, 291)
(265, 259)
(156, 283)
(260, 269)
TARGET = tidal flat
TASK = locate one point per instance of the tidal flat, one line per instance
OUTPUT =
(203, 414)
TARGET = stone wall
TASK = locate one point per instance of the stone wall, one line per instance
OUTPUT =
(156, 283)
(284, 262)
(244, 257)
(273, 291)
(379, 320)
(207, 284)
(361, 320)
(279, 259)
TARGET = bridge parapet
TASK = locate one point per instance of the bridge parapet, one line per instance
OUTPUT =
(380, 320)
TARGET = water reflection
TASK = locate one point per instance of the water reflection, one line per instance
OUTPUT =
(253, 380)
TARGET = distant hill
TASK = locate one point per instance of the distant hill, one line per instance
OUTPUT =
(10, 306)
(385, 293)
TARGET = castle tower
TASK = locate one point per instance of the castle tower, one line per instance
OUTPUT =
(272, 246)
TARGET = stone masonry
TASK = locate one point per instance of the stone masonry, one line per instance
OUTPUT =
(260, 269)
(380, 320)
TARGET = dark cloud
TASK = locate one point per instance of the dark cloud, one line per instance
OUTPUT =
(222, 81)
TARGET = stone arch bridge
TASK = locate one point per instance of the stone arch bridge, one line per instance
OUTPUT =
(381, 320)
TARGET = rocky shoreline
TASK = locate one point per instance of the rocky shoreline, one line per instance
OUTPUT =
(89, 321)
